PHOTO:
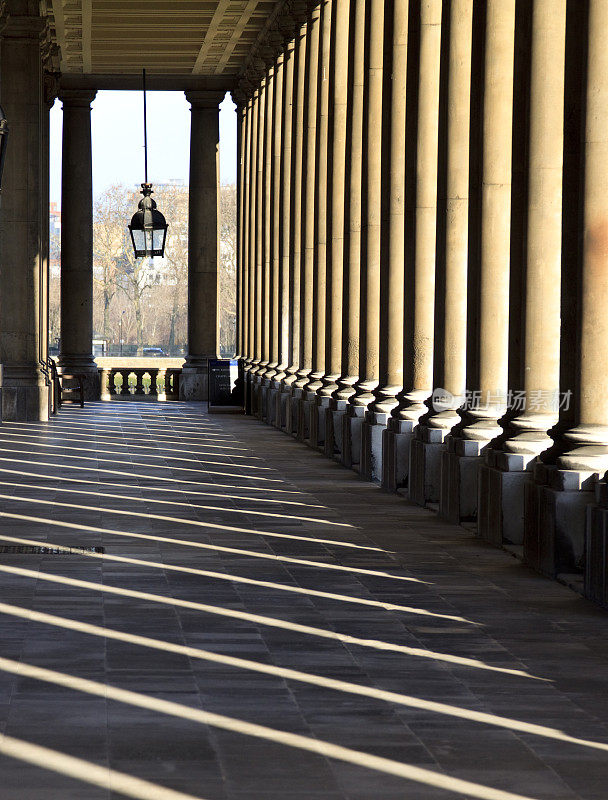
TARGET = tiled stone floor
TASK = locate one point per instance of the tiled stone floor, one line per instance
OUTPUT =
(265, 626)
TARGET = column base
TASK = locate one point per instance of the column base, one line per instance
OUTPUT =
(555, 513)
(396, 441)
(274, 411)
(306, 404)
(194, 379)
(334, 414)
(426, 447)
(283, 403)
(352, 422)
(263, 397)
(85, 366)
(24, 394)
(254, 395)
(293, 411)
(596, 547)
(318, 409)
(372, 432)
(460, 462)
(501, 497)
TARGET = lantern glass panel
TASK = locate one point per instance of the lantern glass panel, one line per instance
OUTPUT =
(159, 238)
(138, 239)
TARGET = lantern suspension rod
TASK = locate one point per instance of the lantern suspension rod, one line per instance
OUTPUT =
(145, 128)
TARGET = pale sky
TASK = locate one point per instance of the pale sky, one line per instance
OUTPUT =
(118, 138)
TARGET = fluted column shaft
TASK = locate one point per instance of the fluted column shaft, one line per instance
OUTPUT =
(450, 347)
(393, 264)
(77, 237)
(482, 421)
(316, 382)
(254, 355)
(240, 206)
(203, 238)
(335, 263)
(245, 230)
(587, 442)
(418, 362)
(352, 274)
(286, 233)
(267, 218)
(277, 174)
(259, 228)
(296, 263)
(370, 272)
(528, 432)
(308, 195)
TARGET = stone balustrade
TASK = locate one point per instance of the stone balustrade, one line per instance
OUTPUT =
(138, 383)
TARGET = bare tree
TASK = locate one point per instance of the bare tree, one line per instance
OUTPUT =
(227, 269)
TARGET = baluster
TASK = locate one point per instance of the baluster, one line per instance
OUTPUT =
(125, 381)
(153, 373)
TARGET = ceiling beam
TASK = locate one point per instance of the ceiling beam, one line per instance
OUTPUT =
(166, 83)
(236, 35)
(221, 9)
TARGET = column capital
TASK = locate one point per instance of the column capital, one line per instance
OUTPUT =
(79, 98)
(50, 85)
(204, 99)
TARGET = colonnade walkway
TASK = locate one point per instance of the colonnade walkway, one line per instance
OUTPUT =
(263, 625)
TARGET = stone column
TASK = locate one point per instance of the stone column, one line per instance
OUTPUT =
(277, 176)
(202, 244)
(392, 264)
(241, 111)
(267, 212)
(449, 371)
(335, 263)
(250, 211)
(509, 463)
(420, 282)
(370, 264)
(319, 389)
(480, 419)
(25, 394)
(275, 282)
(284, 374)
(341, 419)
(77, 241)
(308, 219)
(253, 177)
(258, 364)
(297, 373)
(267, 221)
(563, 531)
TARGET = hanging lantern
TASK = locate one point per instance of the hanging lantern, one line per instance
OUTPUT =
(148, 226)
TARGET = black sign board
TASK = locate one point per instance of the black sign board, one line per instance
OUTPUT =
(225, 385)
